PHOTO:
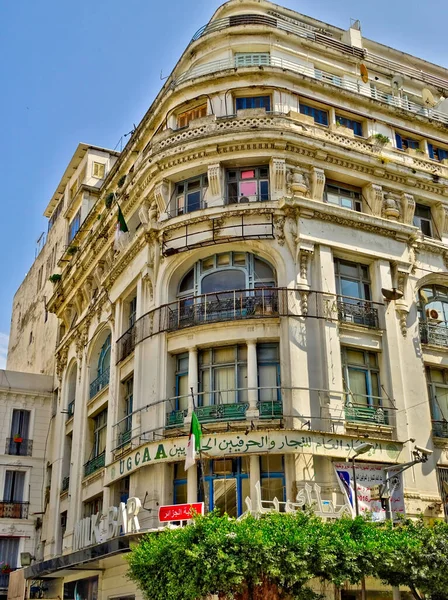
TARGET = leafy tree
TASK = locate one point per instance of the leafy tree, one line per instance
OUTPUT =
(277, 556)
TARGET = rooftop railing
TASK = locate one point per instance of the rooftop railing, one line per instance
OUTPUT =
(14, 510)
(237, 305)
(434, 333)
(389, 98)
(100, 382)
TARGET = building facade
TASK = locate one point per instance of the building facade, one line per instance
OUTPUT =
(26, 408)
(284, 276)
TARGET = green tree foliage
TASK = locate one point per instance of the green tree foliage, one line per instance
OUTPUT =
(277, 555)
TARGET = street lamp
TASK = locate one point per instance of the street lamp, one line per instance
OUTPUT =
(361, 449)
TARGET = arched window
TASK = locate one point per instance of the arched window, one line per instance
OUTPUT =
(226, 272)
(433, 309)
(104, 358)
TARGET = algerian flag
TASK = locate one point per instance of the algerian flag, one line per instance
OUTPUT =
(194, 442)
(121, 232)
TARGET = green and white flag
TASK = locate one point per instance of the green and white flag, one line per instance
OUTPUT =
(194, 442)
(121, 232)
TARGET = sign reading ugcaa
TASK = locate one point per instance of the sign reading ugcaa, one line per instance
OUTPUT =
(101, 527)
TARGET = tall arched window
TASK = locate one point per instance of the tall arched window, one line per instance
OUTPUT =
(104, 358)
(433, 309)
(226, 286)
(100, 359)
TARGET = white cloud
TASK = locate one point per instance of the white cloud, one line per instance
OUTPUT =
(4, 338)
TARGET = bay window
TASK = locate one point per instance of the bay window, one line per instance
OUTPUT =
(249, 184)
(189, 195)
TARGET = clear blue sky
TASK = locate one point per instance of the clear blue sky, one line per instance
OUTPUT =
(86, 71)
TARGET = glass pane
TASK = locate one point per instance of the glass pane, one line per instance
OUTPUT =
(332, 198)
(267, 352)
(271, 488)
(375, 385)
(180, 493)
(262, 269)
(425, 227)
(223, 467)
(373, 359)
(437, 375)
(205, 398)
(441, 403)
(182, 362)
(187, 283)
(357, 385)
(239, 258)
(224, 492)
(223, 259)
(245, 492)
(224, 385)
(204, 357)
(230, 279)
(272, 463)
(248, 188)
(208, 263)
(179, 470)
(224, 355)
(346, 202)
(248, 174)
(355, 357)
(193, 201)
(349, 288)
(182, 392)
(242, 383)
(267, 379)
(348, 269)
(242, 353)
(264, 190)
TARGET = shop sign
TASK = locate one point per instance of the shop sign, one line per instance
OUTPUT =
(180, 512)
(256, 442)
(104, 526)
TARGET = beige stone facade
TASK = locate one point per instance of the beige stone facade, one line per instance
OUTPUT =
(284, 276)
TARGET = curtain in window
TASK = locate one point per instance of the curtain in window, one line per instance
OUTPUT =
(9, 550)
(20, 423)
(441, 403)
(224, 384)
(357, 385)
(267, 378)
(14, 486)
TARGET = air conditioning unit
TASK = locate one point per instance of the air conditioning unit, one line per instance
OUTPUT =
(432, 314)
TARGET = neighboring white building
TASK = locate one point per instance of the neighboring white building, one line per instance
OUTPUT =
(26, 402)
(284, 276)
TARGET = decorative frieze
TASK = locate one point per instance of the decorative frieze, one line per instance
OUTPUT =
(214, 180)
(373, 199)
(278, 178)
(407, 208)
(317, 183)
(161, 195)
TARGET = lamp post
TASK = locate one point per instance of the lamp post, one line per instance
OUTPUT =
(361, 449)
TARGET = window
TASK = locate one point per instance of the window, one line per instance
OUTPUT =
(442, 478)
(132, 312)
(361, 377)
(99, 434)
(437, 153)
(104, 358)
(223, 375)
(128, 403)
(320, 116)
(92, 507)
(227, 484)
(189, 195)
(423, 219)
(252, 59)
(272, 471)
(20, 424)
(345, 196)
(14, 486)
(268, 362)
(182, 391)
(244, 103)
(74, 225)
(352, 279)
(180, 483)
(438, 397)
(9, 551)
(355, 126)
(98, 170)
(247, 185)
(189, 115)
(433, 314)
(403, 142)
(55, 214)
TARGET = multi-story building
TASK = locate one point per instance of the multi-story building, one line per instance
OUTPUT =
(26, 409)
(284, 276)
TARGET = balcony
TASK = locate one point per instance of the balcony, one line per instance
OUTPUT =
(369, 410)
(434, 333)
(126, 344)
(100, 382)
(19, 448)
(96, 463)
(270, 409)
(440, 429)
(358, 312)
(14, 510)
(70, 410)
(385, 97)
(65, 484)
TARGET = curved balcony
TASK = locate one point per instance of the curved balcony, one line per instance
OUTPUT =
(387, 98)
(100, 382)
(238, 305)
(435, 334)
(95, 464)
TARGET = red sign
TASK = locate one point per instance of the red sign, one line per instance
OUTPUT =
(180, 512)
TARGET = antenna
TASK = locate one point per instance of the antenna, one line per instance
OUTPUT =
(428, 98)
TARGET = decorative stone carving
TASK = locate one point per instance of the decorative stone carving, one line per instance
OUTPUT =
(61, 362)
(291, 234)
(374, 199)
(317, 183)
(440, 215)
(143, 213)
(407, 208)
(391, 208)
(99, 273)
(306, 251)
(214, 179)
(279, 229)
(278, 178)
(297, 183)
(161, 195)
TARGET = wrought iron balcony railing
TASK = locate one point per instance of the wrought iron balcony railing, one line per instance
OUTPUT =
(14, 510)
(236, 305)
(65, 484)
(100, 382)
(70, 409)
(270, 409)
(368, 409)
(440, 429)
(434, 333)
(359, 312)
(95, 464)
(19, 446)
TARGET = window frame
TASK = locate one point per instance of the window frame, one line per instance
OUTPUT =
(261, 59)
(361, 280)
(75, 222)
(208, 371)
(198, 111)
(310, 110)
(403, 142)
(368, 371)
(348, 192)
(436, 152)
(418, 219)
(98, 167)
(263, 100)
(182, 208)
(260, 179)
(99, 425)
(350, 123)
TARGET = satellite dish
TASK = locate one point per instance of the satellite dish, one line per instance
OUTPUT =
(397, 82)
(364, 73)
(428, 98)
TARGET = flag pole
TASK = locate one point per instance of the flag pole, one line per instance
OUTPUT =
(201, 462)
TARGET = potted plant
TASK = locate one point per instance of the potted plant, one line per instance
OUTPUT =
(6, 568)
(18, 438)
(55, 278)
(72, 250)
(108, 200)
(121, 181)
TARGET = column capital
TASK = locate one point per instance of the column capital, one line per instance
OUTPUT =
(251, 342)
